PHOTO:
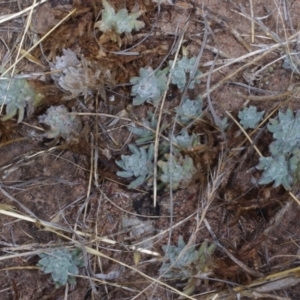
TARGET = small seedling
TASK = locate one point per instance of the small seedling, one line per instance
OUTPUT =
(74, 75)
(250, 117)
(177, 170)
(145, 135)
(149, 86)
(178, 260)
(17, 94)
(61, 123)
(139, 164)
(184, 262)
(180, 71)
(291, 63)
(120, 22)
(185, 141)
(223, 124)
(282, 166)
(275, 169)
(285, 130)
(203, 266)
(189, 110)
(61, 264)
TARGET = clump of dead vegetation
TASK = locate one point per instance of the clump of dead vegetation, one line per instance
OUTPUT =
(141, 109)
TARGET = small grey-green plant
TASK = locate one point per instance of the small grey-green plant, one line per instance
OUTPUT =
(250, 117)
(61, 264)
(145, 135)
(120, 22)
(139, 230)
(189, 110)
(75, 75)
(291, 63)
(275, 169)
(179, 73)
(282, 166)
(177, 170)
(286, 133)
(185, 141)
(61, 123)
(184, 262)
(203, 266)
(149, 86)
(139, 165)
(178, 260)
(223, 124)
(16, 95)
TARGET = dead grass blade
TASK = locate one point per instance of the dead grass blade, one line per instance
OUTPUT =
(12, 16)
(36, 44)
(53, 227)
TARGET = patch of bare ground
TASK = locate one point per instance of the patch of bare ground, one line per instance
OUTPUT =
(58, 193)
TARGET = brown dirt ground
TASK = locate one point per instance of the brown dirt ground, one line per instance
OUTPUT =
(258, 225)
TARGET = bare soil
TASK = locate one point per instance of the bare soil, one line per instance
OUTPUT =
(256, 228)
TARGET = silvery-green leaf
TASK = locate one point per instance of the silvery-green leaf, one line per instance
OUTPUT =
(275, 169)
(62, 264)
(61, 123)
(189, 110)
(250, 117)
(180, 70)
(138, 165)
(120, 22)
(149, 86)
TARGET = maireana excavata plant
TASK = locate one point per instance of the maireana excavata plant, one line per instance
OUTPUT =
(189, 110)
(177, 170)
(61, 264)
(139, 165)
(16, 95)
(178, 260)
(145, 135)
(291, 63)
(76, 76)
(61, 123)
(250, 117)
(185, 262)
(120, 22)
(138, 229)
(179, 73)
(184, 140)
(286, 132)
(275, 169)
(282, 167)
(149, 86)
